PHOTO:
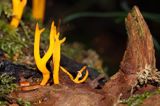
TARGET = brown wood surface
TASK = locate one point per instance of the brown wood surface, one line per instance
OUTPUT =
(138, 58)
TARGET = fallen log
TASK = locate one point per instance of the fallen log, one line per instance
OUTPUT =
(19, 70)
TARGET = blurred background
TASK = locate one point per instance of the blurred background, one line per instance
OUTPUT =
(99, 25)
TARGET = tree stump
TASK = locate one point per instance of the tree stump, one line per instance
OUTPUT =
(138, 64)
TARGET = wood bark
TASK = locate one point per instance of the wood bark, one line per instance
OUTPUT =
(138, 63)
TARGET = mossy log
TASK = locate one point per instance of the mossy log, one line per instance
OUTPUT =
(138, 64)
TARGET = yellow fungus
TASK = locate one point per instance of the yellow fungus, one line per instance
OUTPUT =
(18, 7)
(55, 50)
(56, 57)
(79, 75)
(38, 9)
(41, 62)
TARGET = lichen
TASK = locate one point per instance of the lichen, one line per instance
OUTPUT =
(148, 75)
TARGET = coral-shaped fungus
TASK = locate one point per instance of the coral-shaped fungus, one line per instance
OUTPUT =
(18, 7)
(41, 62)
(55, 50)
(56, 57)
(38, 9)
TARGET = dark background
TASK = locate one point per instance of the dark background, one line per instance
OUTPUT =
(106, 35)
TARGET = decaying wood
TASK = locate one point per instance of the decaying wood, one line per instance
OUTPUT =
(138, 64)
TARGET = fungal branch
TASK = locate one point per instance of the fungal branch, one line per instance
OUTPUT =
(55, 50)
(79, 75)
(56, 57)
(18, 8)
(41, 62)
(38, 9)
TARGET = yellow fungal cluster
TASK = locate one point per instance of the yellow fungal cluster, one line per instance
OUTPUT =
(18, 7)
(55, 50)
(54, 47)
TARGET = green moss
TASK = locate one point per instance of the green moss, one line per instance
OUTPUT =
(137, 100)
(3, 103)
(13, 40)
(6, 87)
(23, 103)
(10, 40)
(5, 8)
(6, 84)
